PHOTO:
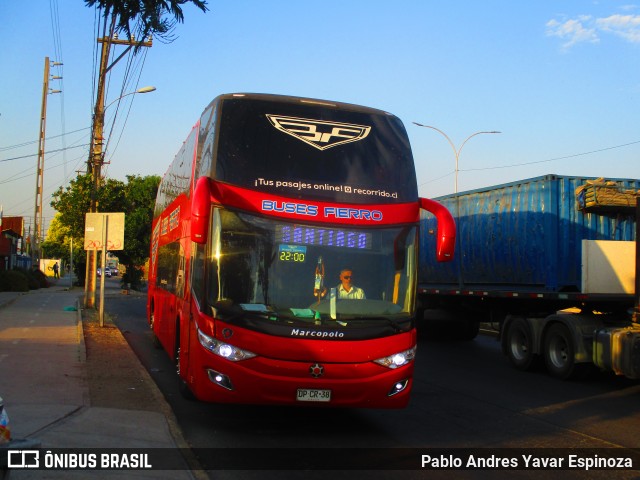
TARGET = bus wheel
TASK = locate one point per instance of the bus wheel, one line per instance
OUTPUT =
(519, 345)
(560, 353)
(183, 388)
(154, 338)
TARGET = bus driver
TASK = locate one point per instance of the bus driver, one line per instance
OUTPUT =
(346, 289)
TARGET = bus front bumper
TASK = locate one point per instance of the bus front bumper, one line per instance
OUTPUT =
(262, 380)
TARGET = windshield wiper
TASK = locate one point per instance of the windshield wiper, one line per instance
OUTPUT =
(238, 311)
(362, 318)
(230, 313)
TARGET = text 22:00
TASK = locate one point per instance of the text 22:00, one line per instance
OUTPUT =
(292, 256)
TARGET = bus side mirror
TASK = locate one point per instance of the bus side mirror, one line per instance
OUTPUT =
(446, 233)
(200, 210)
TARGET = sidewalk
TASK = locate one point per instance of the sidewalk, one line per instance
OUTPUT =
(44, 384)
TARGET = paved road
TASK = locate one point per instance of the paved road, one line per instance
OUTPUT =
(465, 395)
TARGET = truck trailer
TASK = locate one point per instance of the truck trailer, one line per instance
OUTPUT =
(552, 261)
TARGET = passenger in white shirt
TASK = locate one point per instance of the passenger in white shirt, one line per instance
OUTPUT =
(346, 289)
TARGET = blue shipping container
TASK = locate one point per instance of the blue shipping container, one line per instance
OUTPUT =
(525, 235)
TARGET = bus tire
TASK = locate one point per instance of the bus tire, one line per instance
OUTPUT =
(519, 345)
(154, 338)
(560, 353)
(185, 391)
(183, 387)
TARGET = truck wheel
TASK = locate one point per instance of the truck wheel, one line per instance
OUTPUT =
(559, 353)
(519, 345)
(469, 329)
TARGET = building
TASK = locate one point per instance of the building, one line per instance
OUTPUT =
(12, 254)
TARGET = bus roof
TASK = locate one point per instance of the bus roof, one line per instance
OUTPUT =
(302, 100)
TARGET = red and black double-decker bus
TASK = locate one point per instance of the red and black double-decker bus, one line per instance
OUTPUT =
(284, 254)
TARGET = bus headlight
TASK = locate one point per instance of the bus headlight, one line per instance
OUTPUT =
(397, 359)
(222, 349)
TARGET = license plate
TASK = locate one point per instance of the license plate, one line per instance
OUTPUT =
(313, 395)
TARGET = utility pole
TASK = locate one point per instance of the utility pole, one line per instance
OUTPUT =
(37, 215)
(96, 154)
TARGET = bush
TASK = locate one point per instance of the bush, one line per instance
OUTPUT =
(34, 283)
(13, 281)
(40, 279)
(35, 278)
(133, 277)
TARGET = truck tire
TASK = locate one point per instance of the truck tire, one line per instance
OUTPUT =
(469, 330)
(560, 353)
(519, 345)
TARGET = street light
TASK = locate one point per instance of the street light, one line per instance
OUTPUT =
(94, 166)
(456, 152)
(144, 90)
(140, 90)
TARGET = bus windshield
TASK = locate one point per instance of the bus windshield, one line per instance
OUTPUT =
(293, 273)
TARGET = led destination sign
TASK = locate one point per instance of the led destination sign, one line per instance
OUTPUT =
(322, 237)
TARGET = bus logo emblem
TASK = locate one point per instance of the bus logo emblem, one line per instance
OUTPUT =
(319, 133)
(316, 370)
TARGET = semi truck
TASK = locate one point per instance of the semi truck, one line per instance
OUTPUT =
(552, 261)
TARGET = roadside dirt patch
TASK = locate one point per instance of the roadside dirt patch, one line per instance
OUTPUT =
(117, 379)
(115, 376)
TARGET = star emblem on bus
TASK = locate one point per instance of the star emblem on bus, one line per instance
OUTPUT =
(316, 370)
(319, 134)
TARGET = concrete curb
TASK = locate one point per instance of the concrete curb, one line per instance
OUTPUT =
(61, 413)
(10, 297)
(197, 470)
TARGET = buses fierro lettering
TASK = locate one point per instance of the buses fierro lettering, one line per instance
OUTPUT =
(328, 212)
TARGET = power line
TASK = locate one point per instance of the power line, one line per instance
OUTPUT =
(24, 144)
(139, 67)
(535, 162)
(32, 173)
(48, 152)
(553, 159)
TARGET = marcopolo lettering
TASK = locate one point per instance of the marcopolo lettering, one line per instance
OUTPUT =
(297, 332)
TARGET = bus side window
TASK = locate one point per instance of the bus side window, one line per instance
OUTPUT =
(205, 157)
(180, 273)
(197, 273)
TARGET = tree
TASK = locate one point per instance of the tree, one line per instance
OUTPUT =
(135, 198)
(58, 245)
(58, 240)
(139, 196)
(72, 203)
(148, 16)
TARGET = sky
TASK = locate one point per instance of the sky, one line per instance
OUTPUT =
(560, 79)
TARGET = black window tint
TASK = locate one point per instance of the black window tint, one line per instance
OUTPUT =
(253, 153)
(170, 270)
